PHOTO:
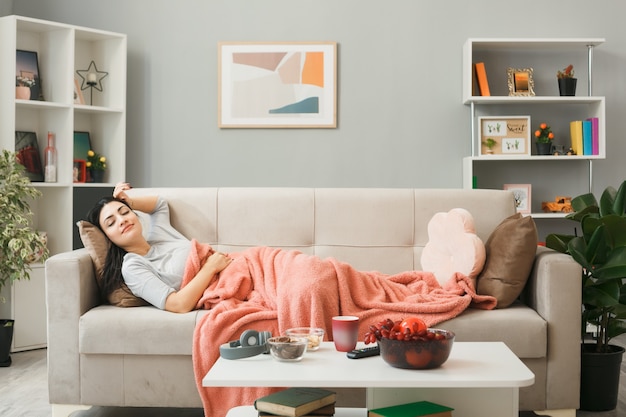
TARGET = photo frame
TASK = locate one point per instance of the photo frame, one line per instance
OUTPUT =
(27, 76)
(521, 82)
(277, 85)
(522, 195)
(82, 144)
(78, 93)
(504, 135)
(79, 173)
(28, 155)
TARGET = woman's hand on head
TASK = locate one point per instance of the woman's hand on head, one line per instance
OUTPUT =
(217, 262)
(119, 191)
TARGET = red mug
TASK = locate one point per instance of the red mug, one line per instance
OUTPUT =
(345, 332)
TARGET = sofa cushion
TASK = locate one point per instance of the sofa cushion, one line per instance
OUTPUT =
(453, 246)
(97, 246)
(510, 253)
(521, 328)
(143, 330)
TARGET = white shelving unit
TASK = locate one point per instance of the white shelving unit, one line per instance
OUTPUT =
(549, 175)
(62, 50)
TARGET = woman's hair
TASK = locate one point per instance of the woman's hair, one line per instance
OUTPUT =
(112, 272)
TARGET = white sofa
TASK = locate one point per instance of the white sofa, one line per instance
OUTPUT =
(141, 356)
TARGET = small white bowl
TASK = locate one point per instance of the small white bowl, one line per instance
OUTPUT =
(287, 348)
(315, 335)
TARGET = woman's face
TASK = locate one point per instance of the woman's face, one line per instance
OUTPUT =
(120, 224)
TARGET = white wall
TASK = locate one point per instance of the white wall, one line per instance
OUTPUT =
(401, 121)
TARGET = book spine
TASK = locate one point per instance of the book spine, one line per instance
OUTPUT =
(595, 136)
(481, 77)
(587, 140)
(576, 136)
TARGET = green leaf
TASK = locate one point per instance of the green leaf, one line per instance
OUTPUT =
(583, 201)
(605, 294)
(558, 242)
(616, 230)
(606, 201)
(619, 205)
(616, 328)
(614, 267)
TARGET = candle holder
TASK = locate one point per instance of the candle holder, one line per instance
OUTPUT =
(92, 78)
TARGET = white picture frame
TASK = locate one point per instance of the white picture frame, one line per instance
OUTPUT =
(522, 195)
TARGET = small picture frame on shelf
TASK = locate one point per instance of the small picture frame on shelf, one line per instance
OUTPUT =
(27, 80)
(522, 196)
(78, 93)
(79, 174)
(504, 135)
(82, 145)
(520, 81)
(27, 151)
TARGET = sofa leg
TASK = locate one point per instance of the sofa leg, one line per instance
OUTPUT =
(570, 412)
(65, 410)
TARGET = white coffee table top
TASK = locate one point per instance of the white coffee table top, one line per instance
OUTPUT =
(471, 364)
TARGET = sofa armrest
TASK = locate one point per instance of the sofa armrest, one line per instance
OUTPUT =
(554, 291)
(71, 290)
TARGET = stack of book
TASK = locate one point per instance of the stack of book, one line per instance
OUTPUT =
(297, 402)
(585, 136)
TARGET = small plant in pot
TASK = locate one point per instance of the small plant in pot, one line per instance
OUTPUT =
(490, 143)
(600, 248)
(567, 82)
(19, 243)
(544, 137)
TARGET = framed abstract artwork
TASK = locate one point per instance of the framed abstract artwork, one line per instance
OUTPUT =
(277, 85)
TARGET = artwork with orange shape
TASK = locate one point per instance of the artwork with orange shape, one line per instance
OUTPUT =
(279, 84)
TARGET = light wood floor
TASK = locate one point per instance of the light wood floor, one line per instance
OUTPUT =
(24, 393)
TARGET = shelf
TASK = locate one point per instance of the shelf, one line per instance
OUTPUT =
(533, 44)
(551, 158)
(548, 215)
(499, 100)
(61, 50)
(546, 176)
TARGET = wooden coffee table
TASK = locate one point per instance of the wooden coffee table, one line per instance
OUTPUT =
(479, 379)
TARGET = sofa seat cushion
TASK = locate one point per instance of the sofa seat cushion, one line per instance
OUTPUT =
(519, 327)
(145, 330)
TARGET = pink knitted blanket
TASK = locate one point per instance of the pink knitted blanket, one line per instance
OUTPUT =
(273, 289)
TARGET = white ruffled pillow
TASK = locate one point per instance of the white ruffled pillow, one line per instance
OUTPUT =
(453, 246)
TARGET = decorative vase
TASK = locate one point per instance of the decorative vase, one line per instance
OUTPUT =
(97, 175)
(567, 86)
(6, 338)
(544, 148)
(599, 377)
(22, 92)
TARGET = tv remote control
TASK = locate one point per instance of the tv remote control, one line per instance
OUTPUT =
(364, 353)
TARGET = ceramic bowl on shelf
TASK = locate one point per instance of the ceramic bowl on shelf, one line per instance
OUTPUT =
(426, 353)
(315, 336)
(287, 348)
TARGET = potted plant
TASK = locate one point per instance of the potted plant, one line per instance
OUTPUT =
(600, 248)
(19, 243)
(544, 137)
(567, 82)
(96, 165)
(22, 87)
(490, 143)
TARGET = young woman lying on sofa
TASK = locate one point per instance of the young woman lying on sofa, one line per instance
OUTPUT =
(157, 269)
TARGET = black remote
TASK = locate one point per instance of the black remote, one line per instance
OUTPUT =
(364, 353)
